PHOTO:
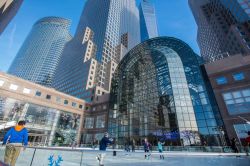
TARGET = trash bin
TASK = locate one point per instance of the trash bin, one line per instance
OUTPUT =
(114, 153)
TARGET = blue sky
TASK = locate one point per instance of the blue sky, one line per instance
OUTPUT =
(173, 16)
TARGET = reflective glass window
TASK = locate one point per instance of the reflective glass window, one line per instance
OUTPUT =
(237, 102)
(221, 80)
(89, 122)
(238, 76)
(100, 121)
(38, 93)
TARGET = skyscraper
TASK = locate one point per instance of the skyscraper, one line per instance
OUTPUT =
(148, 24)
(89, 60)
(222, 28)
(39, 55)
(8, 9)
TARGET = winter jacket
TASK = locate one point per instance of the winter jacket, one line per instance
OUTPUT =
(160, 147)
(146, 146)
(104, 143)
(16, 136)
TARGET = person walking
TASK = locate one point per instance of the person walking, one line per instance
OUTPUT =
(234, 145)
(103, 146)
(15, 139)
(133, 145)
(248, 143)
(146, 148)
(160, 148)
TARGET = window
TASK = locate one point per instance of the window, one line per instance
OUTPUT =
(237, 102)
(89, 123)
(238, 76)
(241, 130)
(221, 80)
(1, 82)
(73, 104)
(100, 121)
(80, 106)
(58, 99)
(38, 93)
(26, 91)
(48, 97)
(66, 102)
(13, 87)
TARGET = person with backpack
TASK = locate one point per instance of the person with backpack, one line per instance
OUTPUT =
(15, 139)
(102, 147)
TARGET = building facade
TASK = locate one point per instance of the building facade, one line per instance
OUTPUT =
(148, 23)
(223, 29)
(52, 118)
(230, 80)
(158, 92)
(8, 9)
(95, 122)
(91, 57)
(41, 52)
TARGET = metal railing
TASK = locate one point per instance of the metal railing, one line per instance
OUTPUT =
(36, 156)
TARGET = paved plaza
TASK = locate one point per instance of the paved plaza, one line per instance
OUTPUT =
(88, 158)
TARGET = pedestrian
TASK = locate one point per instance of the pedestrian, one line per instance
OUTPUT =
(103, 146)
(15, 139)
(234, 145)
(146, 148)
(133, 145)
(248, 142)
(160, 148)
(205, 146)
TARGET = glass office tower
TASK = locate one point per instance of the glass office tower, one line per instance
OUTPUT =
(148, 24)
(158, 92)
(110, 23)
(223, 27)
(39, 55)
(8, 10)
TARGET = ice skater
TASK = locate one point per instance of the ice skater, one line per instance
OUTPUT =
(160, 149)
(103, 146)
(147, 148)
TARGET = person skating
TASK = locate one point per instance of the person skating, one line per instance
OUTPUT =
(15, 139)
(102, 147)
(146, 148)
(160, 148)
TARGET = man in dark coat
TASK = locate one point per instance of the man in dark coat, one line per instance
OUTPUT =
(102, 147)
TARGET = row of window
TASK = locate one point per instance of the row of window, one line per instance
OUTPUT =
(237, 102)
(237, 77)
(59, 100)
(14, 87)
(100, 122)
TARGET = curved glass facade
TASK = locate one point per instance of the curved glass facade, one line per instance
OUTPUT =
(40, 54)
(158, 92)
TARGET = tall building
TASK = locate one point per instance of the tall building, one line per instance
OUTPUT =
(90, 58)
(223, 29)
(148, 24)
(8, 9)
(158, 92)
(41, 52)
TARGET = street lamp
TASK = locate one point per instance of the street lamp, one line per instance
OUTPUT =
(248, 122)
